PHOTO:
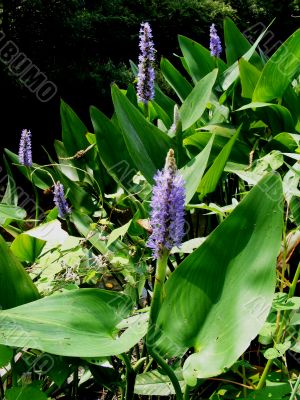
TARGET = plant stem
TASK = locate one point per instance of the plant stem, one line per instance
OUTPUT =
(156, 302)
(160, 275)
(36, 195)
(294, 283)
(75, 384)
(244, 378)
(293, 395)
(146, 110)
(1, 389)
(130, 377)
(263, 377)
(187, 393)
(14, 375)
(168, 370)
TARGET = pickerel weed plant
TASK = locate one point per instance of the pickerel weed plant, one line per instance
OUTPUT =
(161, 255)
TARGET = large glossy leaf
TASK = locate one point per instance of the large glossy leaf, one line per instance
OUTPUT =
(211, 178)
(193, 171)
(196, 102)
(279, 70)
(249, 75)
(73, 130)
(78, 323)
(220, 295)
(283, 119)
(198, 59)
(16, 287)
(197, 141)
(236, 43)
(112, 149)
(174, 78)
(146, 144)
(231, 74)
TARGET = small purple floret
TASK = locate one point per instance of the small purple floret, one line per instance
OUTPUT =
(215, 42)
(60, 200)
(25, 153)
(146, 74)
(167, 209)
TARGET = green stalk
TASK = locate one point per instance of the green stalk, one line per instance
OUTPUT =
(264, 375)
(187, 393)
(36, 204)
(146, 111)
(14, 374)
(160, 275)
(293, 395)
(291, 293)
(130, 377)
(156, 302)
(168, 370)
(1, 389)
(294, 283)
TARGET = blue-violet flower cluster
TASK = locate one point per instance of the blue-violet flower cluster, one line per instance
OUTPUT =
(215, 42)
(167, 209)
(60, 200)
(146, 74)
(25, 153)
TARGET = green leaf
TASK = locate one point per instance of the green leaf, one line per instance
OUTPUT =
(236, 43)
(249, 77)
(9, 213)
(6, 354)
(193, 171)
(146, 144)
(273, 390)
(27, 248)
(16, 286)
(197, 141)
(155, 383)
(285, 142)
(116, 233)
(174, 78)
(10, 196)
(211, 178)
(281, 113)
(73, 130)
(232, 73)
(25, 393)
(220, 299)
(41, 177)
(279, 70)
(78, 323)
(196, 102)
(111, 146)
(198, 59)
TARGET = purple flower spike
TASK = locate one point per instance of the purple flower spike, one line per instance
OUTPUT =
(146, 74)
(167, 209)
(215, 42)
(60, 201)
(25, 153)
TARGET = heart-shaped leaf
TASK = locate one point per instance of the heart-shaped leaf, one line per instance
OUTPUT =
(218, 298)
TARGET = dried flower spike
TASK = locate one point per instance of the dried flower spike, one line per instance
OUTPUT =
(146, 74)
(167, 208)
(60, 200)
(215, 42)
(25, 153)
